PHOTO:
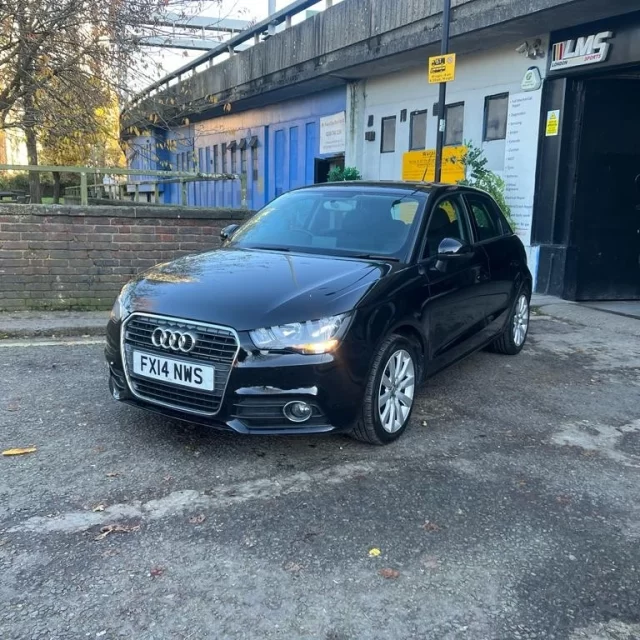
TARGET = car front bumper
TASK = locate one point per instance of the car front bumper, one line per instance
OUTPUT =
(260, 385)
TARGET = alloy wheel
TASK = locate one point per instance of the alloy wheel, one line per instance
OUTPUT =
(521, 321)
(397, 390)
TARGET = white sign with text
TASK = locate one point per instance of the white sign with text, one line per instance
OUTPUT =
(521, 151)
(333, 134)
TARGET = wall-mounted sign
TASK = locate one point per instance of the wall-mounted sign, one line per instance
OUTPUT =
(333, 134)
(520, 153)
(581, 51)
(532, 80)
(553, 123)
(442, 68)
(421, 165)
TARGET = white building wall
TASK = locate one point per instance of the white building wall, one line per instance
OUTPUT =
(478, 75)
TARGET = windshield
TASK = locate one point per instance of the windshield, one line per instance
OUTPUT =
(344, 221)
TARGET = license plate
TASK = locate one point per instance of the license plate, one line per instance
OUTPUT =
(196, 376)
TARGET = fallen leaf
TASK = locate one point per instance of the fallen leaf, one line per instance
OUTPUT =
(98, 508)
(13, 407)
(563, 499)
(374, 553)
(112, 474)
(389, 574)
(19, 451)
(199, 519)
(156, 572)
(98, 449)
(293, 567)
(116, 528)
(430, 527)
(168, 478)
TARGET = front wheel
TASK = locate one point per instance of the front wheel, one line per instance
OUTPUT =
(515, 333)
(390, 392)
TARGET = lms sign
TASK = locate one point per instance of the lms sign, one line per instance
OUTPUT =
(583, 50)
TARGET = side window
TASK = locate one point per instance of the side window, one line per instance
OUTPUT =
(446, 221)
(488, 221)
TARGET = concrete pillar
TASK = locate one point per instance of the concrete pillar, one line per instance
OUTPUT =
(355, 124)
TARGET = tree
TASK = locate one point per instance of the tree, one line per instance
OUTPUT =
(77, 138)
(61, 59)
(477, 175)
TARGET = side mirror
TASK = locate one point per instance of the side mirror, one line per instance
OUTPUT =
(451, 247)
(227, 232)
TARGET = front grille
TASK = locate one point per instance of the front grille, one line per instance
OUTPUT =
(217, 346)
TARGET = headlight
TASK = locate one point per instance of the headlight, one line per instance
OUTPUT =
(121, 307)
(315, 336)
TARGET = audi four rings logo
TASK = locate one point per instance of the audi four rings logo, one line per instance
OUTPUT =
(174, 340)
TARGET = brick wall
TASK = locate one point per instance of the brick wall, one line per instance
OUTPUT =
(67, 257)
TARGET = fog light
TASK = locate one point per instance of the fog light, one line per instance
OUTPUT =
(297, 411)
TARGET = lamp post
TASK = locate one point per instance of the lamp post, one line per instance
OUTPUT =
(442, 100)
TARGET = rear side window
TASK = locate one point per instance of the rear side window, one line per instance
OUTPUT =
(488, 221)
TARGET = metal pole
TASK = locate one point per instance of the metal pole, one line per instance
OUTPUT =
(271, 29)
(442, 100)
(84, 189)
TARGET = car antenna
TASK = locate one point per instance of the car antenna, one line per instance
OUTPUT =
(422, 181)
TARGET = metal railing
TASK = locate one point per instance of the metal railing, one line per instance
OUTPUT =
(251, 36)
(164, 177)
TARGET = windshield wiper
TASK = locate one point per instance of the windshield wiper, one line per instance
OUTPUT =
(373, 256)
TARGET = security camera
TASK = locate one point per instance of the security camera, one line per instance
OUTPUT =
(523, 48)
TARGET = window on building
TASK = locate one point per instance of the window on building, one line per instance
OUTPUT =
(215, 158)
(208, 160)
(495, 116)
(489, 222)
(223, 154)
(454, 124)
(255, 166)
(388, 142)
(234, 161)
(243, 161)
(418, 133)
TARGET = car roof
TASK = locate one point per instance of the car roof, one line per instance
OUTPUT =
(425, 187)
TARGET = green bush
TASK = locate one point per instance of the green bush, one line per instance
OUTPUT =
(20, 182)
(338, 174)
(478, 176)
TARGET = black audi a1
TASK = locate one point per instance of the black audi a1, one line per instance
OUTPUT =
(324, 311)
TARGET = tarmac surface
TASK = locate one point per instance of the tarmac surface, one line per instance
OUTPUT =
(509, 509)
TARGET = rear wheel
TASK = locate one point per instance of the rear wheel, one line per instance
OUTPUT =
(390, 392)
(515, 333)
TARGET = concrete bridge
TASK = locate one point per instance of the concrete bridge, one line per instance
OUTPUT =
(351, 40)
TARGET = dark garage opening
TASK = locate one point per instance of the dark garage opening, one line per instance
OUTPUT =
(606, 221)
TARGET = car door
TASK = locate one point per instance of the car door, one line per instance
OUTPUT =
(455, 314)
(504, 251)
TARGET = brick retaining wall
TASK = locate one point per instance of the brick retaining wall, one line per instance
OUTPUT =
(68, 257)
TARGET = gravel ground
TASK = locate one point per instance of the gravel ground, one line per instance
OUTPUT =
(508, 510)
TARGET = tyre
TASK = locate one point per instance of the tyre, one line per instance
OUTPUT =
(515, 333)
(390, 393)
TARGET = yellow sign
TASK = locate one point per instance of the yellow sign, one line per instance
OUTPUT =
(553, 122)
(442, 68)
(421, 165)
